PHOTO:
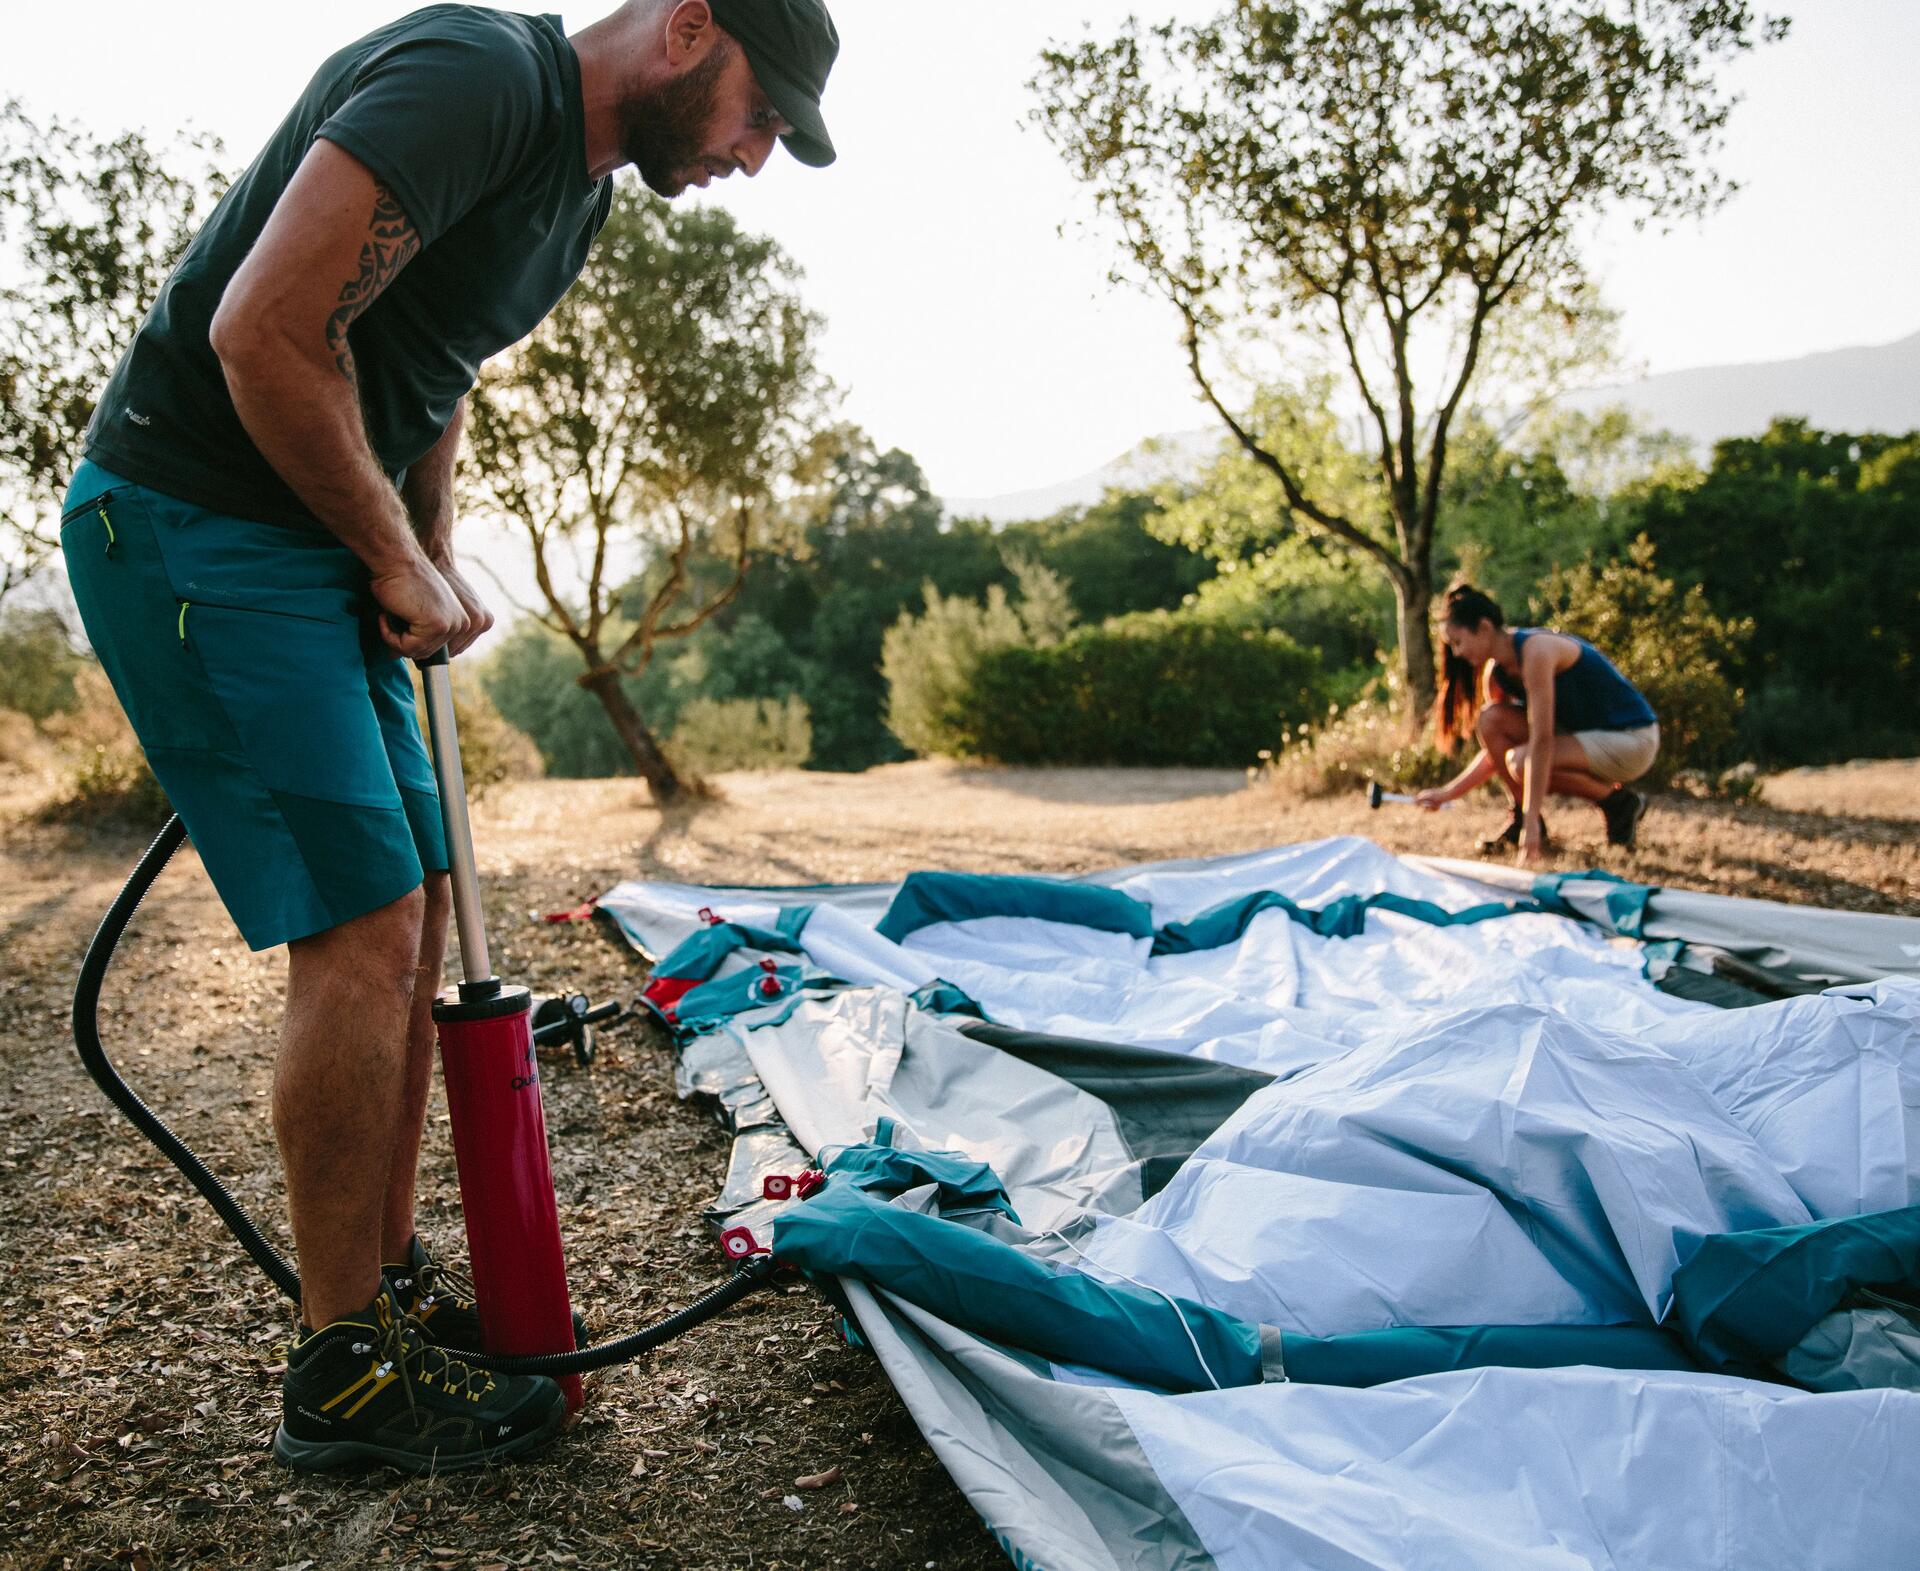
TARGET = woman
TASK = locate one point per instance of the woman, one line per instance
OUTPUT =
(1553, 699)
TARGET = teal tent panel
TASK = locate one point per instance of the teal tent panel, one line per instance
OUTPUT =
(1371, 1358)
(996, 1291)
(885, 1171)
(1744, 1299)
(927, 898)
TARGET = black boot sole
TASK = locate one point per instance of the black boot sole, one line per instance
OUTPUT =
(327, 1456)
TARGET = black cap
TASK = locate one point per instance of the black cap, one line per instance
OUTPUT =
(791, 45)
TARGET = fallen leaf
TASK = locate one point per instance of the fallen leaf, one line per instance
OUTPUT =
(824, 1480)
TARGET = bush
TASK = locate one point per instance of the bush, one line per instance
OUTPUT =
(37, 664)
(718, 734)
(1670, 645)
(929, 660)
(110, 785)
(1353, 747)
(106, 778)
(21, 745)
(1154, 688)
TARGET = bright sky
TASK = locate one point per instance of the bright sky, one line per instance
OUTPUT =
(965, 329)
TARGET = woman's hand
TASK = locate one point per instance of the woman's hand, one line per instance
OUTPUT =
(1533, 850)
(1431, 799)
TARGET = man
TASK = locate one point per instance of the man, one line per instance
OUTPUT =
(261, 536)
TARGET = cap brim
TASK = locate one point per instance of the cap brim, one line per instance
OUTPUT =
(808, 140)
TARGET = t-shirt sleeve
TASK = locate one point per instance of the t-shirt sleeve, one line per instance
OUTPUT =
(441, 118)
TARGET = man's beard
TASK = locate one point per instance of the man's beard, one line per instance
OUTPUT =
(665, 131)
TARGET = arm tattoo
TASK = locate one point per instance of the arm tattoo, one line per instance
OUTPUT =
(392, 243)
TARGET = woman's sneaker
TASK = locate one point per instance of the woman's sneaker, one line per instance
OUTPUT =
(1623, 811)
(372, 1388)
(1510, 836)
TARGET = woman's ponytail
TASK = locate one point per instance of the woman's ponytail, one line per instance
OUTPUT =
(1458, 706)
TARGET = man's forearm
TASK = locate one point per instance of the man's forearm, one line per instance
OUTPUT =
(304, 417)
(428, 490)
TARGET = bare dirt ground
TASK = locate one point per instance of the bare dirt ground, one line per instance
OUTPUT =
(140, 1353)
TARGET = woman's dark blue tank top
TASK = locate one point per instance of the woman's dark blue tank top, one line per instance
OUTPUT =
(1590, 695)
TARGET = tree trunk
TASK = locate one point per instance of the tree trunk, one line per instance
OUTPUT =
(648, 758)
(1413, 596)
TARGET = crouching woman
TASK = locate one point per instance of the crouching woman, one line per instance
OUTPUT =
(1554, 715)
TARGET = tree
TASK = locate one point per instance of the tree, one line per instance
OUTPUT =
(660, 414)
(90, 229)
(1398, 184)
(1815, 536)
(872, 538)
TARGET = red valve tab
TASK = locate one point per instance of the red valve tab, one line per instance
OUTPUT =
(769, 967)
(580, 913)
(707, 916)
(769, 987)
(738, 1243)
(811, 1182)
(776, 1186)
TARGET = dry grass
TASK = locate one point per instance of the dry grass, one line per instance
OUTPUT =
(139, 1353)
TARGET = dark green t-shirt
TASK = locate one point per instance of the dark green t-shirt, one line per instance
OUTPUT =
(473, 120)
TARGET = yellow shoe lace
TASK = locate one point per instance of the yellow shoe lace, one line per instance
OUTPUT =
(403, 1346)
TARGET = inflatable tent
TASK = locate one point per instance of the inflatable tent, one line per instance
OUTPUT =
(1321, 1208)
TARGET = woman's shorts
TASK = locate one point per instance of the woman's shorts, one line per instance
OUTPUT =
(280, 726)
(1620, 755)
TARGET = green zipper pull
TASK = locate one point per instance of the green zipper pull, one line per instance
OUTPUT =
(112, 539)
(183, 620)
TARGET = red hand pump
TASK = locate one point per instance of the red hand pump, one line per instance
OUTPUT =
(492, 1077)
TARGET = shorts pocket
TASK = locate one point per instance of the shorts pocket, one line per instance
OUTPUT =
(295, 690)
(128, 608)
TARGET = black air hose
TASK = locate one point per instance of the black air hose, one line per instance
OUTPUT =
(93, 1054)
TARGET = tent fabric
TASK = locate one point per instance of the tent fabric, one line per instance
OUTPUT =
(1451, 1176)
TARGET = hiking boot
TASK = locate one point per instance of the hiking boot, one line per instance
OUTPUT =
(372, 1388)
(1509, 837)
(1623, 811)
(441, 1299)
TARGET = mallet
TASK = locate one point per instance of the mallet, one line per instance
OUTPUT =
(1375, 796)
(492, 1076)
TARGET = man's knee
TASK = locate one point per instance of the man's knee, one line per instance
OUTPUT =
(437, 891)
(381, 943)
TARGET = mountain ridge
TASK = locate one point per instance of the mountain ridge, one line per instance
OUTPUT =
(1861, 387)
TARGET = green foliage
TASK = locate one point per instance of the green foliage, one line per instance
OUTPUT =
(715, 734)
(1515, 513)
(1668, 643)
(1110, 556)
(872, 536)
(530, 677)
(1813, 536)
(91, 229)
(929, 661)
(37, 664)
(1155, 688)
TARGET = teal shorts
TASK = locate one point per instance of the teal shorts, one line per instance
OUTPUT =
(280, 726)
